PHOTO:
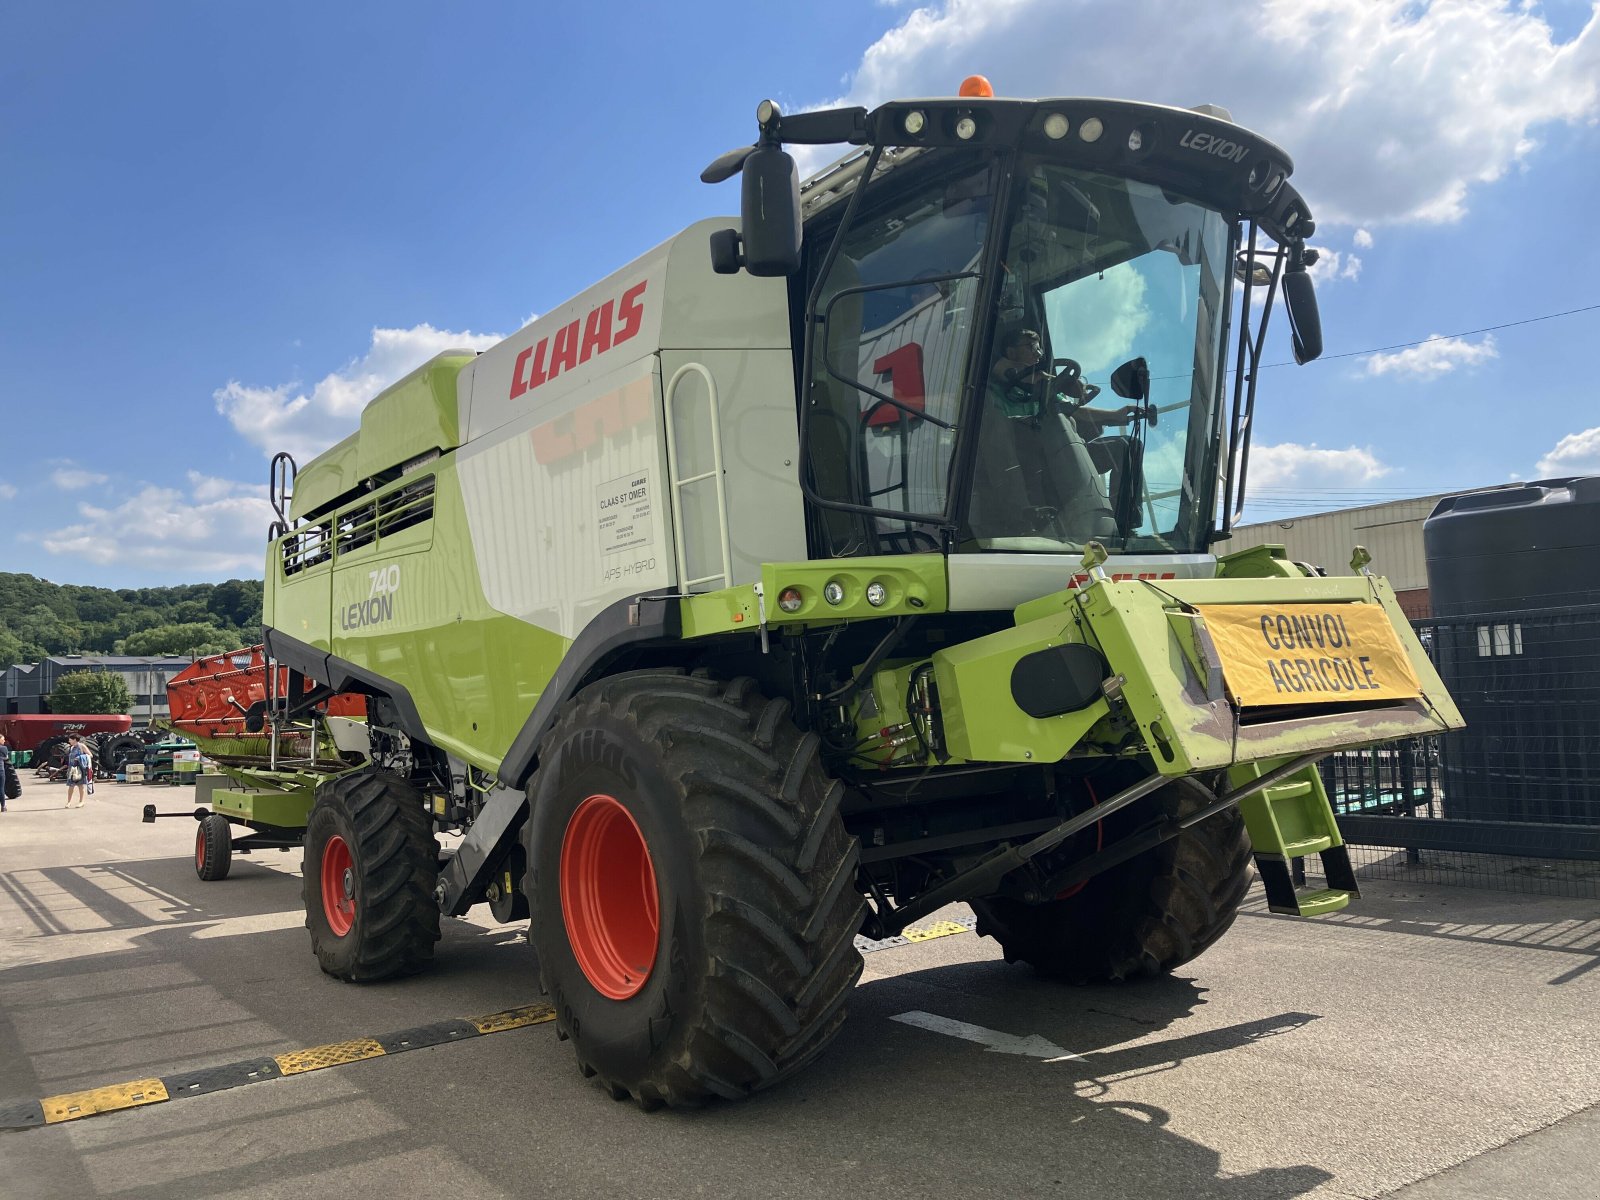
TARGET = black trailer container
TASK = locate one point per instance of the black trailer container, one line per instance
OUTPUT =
(1514, 581)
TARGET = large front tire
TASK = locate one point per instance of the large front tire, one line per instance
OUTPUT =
(1145, 917)
(369, 872)
(693, 888)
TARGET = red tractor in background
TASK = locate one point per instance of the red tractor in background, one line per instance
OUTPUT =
(40, 739)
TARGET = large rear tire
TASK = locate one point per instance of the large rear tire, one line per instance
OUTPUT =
(369, 872)
(693, 888)
(1145, 917)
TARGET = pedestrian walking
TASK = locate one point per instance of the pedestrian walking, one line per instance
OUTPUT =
(8, 786)
(80, 770)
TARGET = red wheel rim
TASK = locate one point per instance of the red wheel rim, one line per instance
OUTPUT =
(338, 886)
(609, 900)
(200, 848)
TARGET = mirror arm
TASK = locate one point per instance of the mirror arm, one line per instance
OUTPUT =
(1244, 381)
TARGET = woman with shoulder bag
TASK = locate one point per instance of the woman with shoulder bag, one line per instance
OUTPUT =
(80, 769)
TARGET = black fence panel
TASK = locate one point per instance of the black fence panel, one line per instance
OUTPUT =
(1523, 778)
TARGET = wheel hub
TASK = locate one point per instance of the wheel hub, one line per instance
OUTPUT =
(609, 899)
(338, 886)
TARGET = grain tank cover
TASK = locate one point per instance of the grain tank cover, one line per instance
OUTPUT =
(412, 417)
(1528, 546)
(325, 478)
(406, 420)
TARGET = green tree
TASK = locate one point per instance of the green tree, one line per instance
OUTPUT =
(188, 638)
(91, 692)
(42, 626)
(237, 602)
(14, 650)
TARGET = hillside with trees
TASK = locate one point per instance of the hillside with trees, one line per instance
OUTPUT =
(39, 618)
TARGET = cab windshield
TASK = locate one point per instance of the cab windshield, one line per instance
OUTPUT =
(1098, 405)
(1090, 388)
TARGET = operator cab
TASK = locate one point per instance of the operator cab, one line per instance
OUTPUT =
(1015, 320)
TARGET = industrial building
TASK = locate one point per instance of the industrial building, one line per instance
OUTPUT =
(1391, 532)
(26, 687)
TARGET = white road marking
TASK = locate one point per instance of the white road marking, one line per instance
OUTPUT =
(1033, 1046)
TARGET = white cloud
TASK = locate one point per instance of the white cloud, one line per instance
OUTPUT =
(1434, 357)
(70, 477)
(1106, 313)
(1290, 465)
(1334, 265)
(8, 491)
(218, 528)
(307, 422)
(1363, 239)
(1392, 110)
(207, 488)
(1574, 454)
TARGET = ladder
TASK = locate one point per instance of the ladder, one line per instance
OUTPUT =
(711, 430)
(1292, 819)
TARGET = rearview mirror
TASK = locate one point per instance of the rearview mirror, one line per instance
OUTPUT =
(770, 210)
(1305, 323)
(1131, 380)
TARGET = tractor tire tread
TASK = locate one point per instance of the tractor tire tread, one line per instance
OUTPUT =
(395, 844)
(1201, 877)
(780, 926)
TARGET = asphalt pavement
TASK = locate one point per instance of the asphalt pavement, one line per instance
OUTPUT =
(1429, 1042)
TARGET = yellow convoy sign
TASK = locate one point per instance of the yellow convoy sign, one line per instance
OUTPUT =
(1309, 653)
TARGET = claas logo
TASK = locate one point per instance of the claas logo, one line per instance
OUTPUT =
(608, 325)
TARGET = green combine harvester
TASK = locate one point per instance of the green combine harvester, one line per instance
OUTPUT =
(818, 570)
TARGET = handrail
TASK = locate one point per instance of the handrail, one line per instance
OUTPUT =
(677, 485)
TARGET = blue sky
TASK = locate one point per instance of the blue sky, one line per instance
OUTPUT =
(224, 226)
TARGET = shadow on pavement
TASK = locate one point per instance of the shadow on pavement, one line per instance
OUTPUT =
(1577, 937)
(889, 1110)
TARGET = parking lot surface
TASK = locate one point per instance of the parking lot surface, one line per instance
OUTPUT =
(1429, 1042)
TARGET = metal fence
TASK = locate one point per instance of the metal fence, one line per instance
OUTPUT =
(1512, 800)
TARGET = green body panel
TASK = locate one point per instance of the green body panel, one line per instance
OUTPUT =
(982, 722)
(914, 583)
(1168, 690)
(262, 806)
(325, 478)
(411, 417)
(408, 607)
(1258, 562)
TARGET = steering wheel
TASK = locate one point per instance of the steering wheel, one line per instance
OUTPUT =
(1068, 371)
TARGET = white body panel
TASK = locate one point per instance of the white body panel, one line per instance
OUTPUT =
(564, 467)
(561, 530)
(980, 582)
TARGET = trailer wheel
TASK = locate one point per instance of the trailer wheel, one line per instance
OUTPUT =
(1143, 918)
(369, 871)
(693, 888)
(213, 848)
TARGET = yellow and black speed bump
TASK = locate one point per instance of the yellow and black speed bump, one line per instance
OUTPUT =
(925, 933)
(70, 1106)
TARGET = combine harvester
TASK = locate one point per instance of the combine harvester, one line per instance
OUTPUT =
(798, 580)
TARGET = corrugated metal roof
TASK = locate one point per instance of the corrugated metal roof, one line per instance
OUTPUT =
(121, 660)
(1391, 532)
